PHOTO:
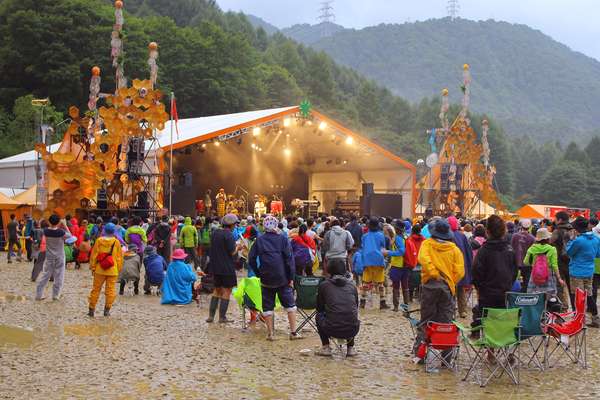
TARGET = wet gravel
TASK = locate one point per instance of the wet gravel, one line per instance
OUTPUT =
(51, 350)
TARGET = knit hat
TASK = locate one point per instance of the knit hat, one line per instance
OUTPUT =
(110, 228)
(179, 254)
(230, 219)
(149, 250)
(270, 223)
(542, 234)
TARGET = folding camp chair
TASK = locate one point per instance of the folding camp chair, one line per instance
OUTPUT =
(307, 288)
(414, 323)
(533, 313)
(443, 346)
(248, 295)
(567, 331)
(497, 351)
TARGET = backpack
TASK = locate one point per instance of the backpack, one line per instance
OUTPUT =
(205, 237)
(539, 272)
(410, 254)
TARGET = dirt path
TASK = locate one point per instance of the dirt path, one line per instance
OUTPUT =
(146, 351)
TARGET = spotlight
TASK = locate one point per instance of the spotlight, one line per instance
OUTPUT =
(349, 140)
(345, 162)
(309, 123)
(323, 125)
(217, 144)
(286, 122)
(203, 145)
(256, 131)
(287, 152)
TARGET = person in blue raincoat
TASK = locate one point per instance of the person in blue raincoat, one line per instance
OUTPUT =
(177, 286)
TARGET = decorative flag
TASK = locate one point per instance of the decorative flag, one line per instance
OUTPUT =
(174, 116)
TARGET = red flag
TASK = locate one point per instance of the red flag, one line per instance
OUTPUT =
(174, 116)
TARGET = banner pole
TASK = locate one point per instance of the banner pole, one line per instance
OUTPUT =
(171, 161)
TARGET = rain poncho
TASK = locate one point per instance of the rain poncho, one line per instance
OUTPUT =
(177, 286)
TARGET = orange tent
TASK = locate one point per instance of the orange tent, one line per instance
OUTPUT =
(536, 211)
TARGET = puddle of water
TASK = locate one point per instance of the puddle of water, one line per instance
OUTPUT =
(16, 336)
(90, 330)
(6, 297)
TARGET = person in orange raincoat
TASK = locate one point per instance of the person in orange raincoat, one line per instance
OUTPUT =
(106, 261)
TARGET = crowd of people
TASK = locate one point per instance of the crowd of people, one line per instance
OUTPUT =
(442, 261)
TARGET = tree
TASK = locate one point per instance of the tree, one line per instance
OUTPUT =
(593, 151)
(368, 105)
(565, 183)
(575, 154)
(20, 133)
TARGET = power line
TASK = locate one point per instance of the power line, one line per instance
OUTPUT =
(453, 8)
(326, 11)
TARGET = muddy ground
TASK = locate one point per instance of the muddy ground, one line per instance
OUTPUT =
(52, 350)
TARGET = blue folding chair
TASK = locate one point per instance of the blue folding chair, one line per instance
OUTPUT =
(533, 313)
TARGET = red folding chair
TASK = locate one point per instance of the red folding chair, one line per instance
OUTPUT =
(443, 346)
(567, 331)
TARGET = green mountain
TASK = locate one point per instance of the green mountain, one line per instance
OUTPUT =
(312, 34)
(528, 81)
(258, 22)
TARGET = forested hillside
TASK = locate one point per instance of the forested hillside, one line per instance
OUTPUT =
(529, 82)
(217, 63)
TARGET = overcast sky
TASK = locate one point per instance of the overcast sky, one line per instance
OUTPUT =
(575, 23)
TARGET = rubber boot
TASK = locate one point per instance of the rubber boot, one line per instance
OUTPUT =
(396, 298)
(223, 311)
(405, 296)
(107, 312)
(363, 303)
(212, 309)
(91, 312)
(383, 305)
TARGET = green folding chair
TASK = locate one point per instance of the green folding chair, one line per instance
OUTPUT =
(497, 349)
(307, 288)
(532, 336)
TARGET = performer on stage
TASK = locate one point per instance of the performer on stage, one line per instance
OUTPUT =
(208, 202)
(259, 207)
(231, 208)
(221, 198)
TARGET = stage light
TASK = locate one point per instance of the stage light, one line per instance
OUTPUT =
(217, 144)
(256, 131)
(287, 122)
(345, 162)
(309, 123)
(287, 152)
(203, 145)
(349, 140)
(323, 125)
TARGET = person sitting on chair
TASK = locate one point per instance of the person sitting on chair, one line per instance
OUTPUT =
(337, 309)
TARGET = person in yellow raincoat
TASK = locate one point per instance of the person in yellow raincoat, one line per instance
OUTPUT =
(105, 270)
